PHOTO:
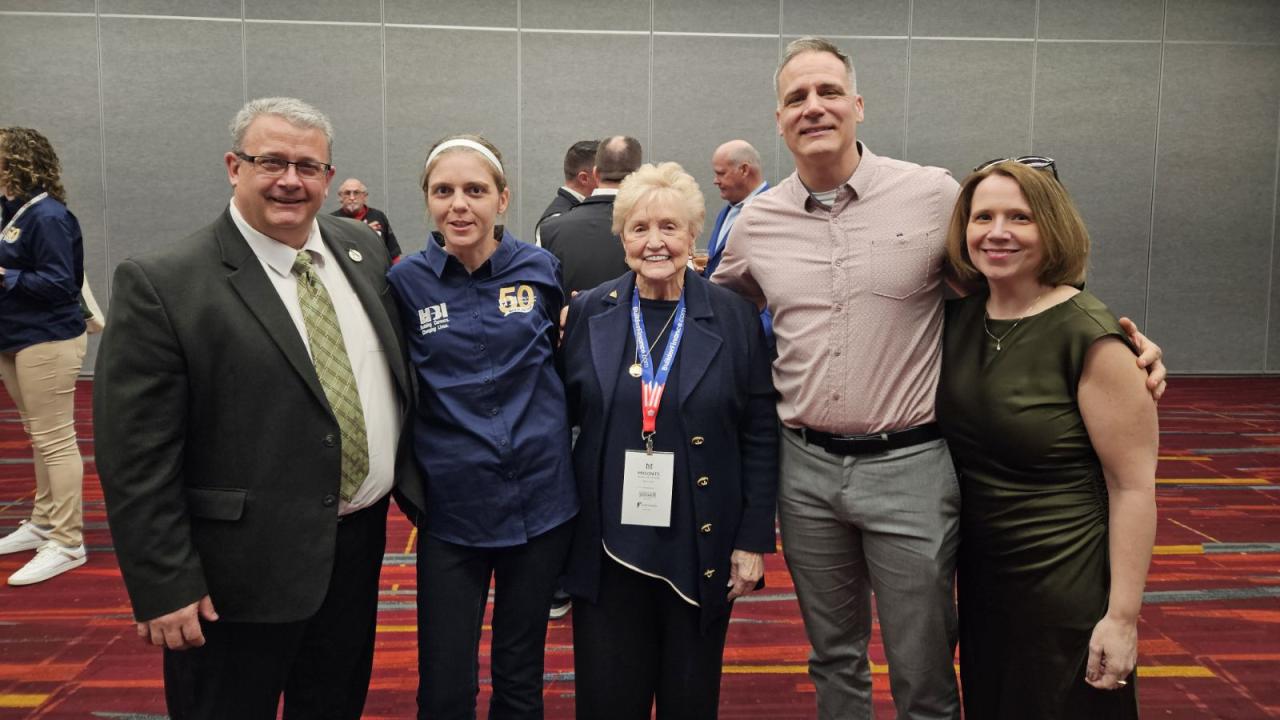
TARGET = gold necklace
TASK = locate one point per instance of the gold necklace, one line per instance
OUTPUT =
(1000, 339)
(636, 370)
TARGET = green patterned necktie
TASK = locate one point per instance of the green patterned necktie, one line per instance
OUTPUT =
(329, 353)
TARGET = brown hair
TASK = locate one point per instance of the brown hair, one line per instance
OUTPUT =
(499, 176)
(1062, 231)
(31, 165)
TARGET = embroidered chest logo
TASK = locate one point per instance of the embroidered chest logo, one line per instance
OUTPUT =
(516, 299)
(433, 318)
(11, 235)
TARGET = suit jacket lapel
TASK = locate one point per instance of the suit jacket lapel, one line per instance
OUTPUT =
(701, 344)
(609, 330)
(341, 247)
(250, 281)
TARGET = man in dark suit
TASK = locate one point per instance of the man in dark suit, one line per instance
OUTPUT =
(354, 197)
(579, 182)
(740, 178)
(582, 239)
(249, 394)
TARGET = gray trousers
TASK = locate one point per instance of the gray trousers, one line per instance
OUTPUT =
(886, 523)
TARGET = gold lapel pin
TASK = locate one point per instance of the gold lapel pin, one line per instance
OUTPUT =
(613, 294)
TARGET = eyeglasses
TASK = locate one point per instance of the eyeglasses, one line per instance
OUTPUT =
(274, 166)
(352, 193)
(1039, 162)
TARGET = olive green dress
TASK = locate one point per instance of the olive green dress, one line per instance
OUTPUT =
(1033, 573)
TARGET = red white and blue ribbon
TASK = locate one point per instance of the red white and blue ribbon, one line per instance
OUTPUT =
(653, 383)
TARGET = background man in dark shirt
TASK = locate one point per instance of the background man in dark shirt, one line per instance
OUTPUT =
(353, 194)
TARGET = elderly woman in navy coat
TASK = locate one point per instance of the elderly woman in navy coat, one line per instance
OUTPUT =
(668, 380)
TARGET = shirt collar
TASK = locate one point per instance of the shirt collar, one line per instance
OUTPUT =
(579, 196)
(278, 256)
(858, 183)
(604, 191)
(759, 189)
(438, 259)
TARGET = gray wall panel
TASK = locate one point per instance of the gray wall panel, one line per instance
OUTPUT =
(325, 10)
(424, 106)
(63, 52)
(478, 13)
(82, 6)
(715, 102)
(969, 102)
(1273, 327)
(1214, 202)
(842, 17)
(571, 15)
(342, 82)
(1224, 20)
(1096, 113)
(185, 8)
(165, 172)
(740, 16)
(610, 98)
(1102, 19)
(973, 18)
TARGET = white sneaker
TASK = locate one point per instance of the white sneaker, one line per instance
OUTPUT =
(53, 559)
(27, 537)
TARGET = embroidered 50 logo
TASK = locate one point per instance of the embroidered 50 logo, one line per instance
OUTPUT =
(516, 299)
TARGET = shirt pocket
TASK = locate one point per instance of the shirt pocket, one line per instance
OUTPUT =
(900, 265)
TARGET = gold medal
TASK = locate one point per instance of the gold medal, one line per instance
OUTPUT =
(635, 370)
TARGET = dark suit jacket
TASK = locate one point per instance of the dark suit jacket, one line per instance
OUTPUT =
(375, 215)
(217, 450)
(562, 203)
(583, 241)
(726, 396)
(713, 261)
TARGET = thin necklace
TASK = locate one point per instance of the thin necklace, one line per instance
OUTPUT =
(1000, 339)
(635, 370)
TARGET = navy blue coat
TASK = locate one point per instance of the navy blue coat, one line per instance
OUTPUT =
(727, 410)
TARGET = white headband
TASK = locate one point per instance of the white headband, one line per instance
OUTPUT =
(470, 145)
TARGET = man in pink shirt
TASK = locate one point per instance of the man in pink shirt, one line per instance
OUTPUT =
(849, 253)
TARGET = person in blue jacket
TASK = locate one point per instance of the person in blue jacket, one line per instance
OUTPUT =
(481, 312)
(42, 344)
(677, 463)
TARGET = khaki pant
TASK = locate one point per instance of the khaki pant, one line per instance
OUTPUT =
(41, 379)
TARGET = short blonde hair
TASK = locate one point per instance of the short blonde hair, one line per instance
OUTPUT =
(664, 182)
(1062, 231)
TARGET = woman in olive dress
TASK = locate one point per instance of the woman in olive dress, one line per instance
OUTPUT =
(1054, 437)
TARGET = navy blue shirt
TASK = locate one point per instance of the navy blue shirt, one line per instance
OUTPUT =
(43, 259)
(670, 553)
(491, 429)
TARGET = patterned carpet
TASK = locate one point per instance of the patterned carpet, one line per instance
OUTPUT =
(1210, 629)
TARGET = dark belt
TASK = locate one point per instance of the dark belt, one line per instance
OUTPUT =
(868, 444)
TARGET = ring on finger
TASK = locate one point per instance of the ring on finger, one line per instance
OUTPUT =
(1121, 683)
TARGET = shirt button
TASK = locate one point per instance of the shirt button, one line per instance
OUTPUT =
(488, 380)
(839, 262)
(709, 573)
(502, 443)
(511, 476)
(705, 529)
(704, 481)
(480, 347)
(493, 412)
(329, 500)
(697, 440)
(837, 353)
(835, 396)
(330, 440)
(475, 314)
(839, 308)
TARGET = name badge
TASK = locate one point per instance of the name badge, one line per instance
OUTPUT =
(647, 482)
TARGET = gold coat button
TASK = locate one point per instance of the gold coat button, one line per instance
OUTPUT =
(697, 440)
(704, 481)
(708, 573)
(706, 528)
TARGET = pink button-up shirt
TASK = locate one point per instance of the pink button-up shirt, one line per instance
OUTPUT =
(855, 291)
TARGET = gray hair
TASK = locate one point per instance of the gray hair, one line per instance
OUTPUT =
(294, 111)
(744, 152)
(811, 43)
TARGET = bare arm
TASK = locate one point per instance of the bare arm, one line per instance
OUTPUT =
(1121, 419)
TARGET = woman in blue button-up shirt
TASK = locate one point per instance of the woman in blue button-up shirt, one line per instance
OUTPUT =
(42, 344)
(481, 313)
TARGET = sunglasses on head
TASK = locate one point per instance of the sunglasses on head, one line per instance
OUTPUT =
(1039, 162)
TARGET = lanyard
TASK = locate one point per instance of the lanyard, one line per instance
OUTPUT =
(13, 220)
(652, 384)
